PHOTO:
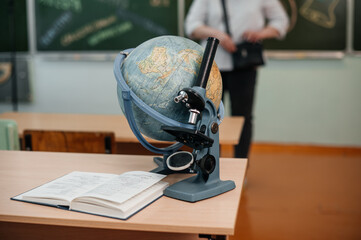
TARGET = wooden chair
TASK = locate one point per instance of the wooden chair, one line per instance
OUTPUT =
(69, 141)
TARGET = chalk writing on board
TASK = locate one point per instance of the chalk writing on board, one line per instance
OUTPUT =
(82, 32)
(320, 12)
(141, 22)
(102, 25)
(73, 5)
(57, 26)
(5, 71)
(291, 8)
(322, 21)
(109, 33)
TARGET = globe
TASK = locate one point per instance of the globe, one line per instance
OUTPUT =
(156, 71)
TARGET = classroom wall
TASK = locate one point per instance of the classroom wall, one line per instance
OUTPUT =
(298, 101)
(310, 101)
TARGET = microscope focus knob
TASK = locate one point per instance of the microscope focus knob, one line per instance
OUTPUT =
(207, 164)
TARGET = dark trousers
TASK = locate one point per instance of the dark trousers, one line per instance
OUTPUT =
(241, 87)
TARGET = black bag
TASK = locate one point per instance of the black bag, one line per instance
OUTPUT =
(248, 54)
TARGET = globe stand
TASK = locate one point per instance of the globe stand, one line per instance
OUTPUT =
(164, 169)
(200, 134)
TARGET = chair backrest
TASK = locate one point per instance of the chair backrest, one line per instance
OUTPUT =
(69, 141)
(9, 136)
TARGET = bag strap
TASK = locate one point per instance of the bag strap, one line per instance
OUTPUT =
(225, 16)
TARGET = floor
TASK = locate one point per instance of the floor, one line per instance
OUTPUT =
(301, 192)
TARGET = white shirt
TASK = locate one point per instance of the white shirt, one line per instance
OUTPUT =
(243, 15)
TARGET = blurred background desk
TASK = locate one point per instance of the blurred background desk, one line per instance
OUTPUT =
(166, 218)
(127, 143)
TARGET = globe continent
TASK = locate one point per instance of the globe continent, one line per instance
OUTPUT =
(156, 71)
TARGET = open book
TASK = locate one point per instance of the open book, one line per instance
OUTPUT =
(110, 195)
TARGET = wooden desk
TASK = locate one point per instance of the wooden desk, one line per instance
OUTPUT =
(127, 143)
(166, 218)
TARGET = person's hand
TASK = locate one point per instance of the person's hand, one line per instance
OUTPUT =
(258, 36)
(253, 36)
(227, 43)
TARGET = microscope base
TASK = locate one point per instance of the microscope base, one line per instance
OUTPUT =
(193, 190)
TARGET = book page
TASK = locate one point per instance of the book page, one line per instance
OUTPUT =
(125, 186)
(119, 210)
(144, 197)
(69, 186)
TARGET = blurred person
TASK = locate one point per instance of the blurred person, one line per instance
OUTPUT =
(251, 21)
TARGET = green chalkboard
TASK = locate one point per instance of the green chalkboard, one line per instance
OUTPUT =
(21, 30)
(101, 25)
(357, 26)
(187, 5)
(314, 25)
